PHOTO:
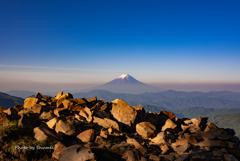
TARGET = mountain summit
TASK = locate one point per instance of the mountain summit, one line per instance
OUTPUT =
(124, 79)
(126, 84)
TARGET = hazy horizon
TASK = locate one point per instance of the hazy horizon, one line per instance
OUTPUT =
(178, 45)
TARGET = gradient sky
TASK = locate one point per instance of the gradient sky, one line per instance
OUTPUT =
(52, 45)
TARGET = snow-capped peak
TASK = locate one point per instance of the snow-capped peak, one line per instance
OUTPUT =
(123, 76)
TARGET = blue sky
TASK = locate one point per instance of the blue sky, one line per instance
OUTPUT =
(79, 44)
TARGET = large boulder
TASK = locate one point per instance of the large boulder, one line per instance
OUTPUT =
(106, 123)
(29, 102)
(124, 113)
(76, 153)
(66, 128)
(146, 130)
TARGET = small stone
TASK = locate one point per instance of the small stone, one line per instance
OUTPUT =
(86, 135)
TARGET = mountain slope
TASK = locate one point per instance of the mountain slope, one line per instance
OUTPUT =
(20, 93)
(9, 101)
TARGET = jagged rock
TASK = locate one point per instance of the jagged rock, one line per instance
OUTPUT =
(61, 112)
(86, 113)
(146, 130)
(140, 113)
(50, 133)
(164, 148)
(65, 128)
(106, 123)
(40, 135)
(91, 102)
(29, 102)
(183, 157)
(159, 139)
(12, 113)
(46, 115)
(37, 108)
(218, 143)
(124, 113)
(24, 121)
(169, 125)
(217, 159)
(3, 118)
(102, 114)
(52, 123)
(18, 107)
(86, 135)
(76, 153)
(58, 148)
(210, 126)
(60, 100)
(59, 95)
(221, 134)
(229, 157)
(181, 149)
(104, 107)
(190, 139)
(38, 95)
(104, 133)
(137, 145)
(98, 105)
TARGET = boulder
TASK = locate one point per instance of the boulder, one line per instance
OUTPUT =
(12, 113)
(140, 113)
(181, 149)
(137, 145)
(86, 135)
(124, 113)
(159, 139)
(106, 123)
(40, 135)
(60, 101)
(58, 148)
(18, 107)
(66, 128)
(129, 156)
(146, 130)
(61, 112)
(46, 115)
(58, 95)
(76, 153)
(210, 126)
(190, 139)
(87, 114)
(52, 123)
(25, 122)
(37, 108)
(197, 155)
(169, 125)
(183, 157)
(29, 102)
(217, 152)
(2, 109)
(38, 95)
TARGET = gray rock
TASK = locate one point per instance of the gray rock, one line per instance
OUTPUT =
(76, 153)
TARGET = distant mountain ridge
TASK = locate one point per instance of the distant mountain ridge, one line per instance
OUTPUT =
(9, 101)
(126, 84)
(171, 99)
(20, 93)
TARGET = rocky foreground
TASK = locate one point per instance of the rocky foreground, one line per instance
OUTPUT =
(67, 129)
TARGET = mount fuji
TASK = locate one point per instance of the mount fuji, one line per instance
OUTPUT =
(126, 84)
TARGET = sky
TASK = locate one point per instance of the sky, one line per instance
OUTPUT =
(183, 45)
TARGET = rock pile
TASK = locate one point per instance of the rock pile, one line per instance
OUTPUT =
(91, 129)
